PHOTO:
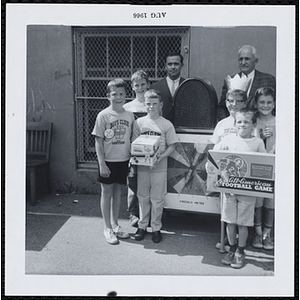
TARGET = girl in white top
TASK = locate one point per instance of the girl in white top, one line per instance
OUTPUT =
(265, 104)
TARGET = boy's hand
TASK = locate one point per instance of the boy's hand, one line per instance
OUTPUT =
(156, 162)
(104, 170)
(267, 132)
(159, 158)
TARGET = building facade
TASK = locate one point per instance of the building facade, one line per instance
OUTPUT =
(68, 69)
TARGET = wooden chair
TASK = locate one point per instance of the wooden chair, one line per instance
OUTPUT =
(38, 143)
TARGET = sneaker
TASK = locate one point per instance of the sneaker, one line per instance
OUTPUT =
(227, 259)
(140, 234)
(119, 233)
(134, 220)
(238, 260)
(110, 236)
(257, 241)
(267, 243)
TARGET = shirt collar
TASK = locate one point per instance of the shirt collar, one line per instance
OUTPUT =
(250, 75)
(170, 80)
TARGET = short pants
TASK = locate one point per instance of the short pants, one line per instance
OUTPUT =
(118, 173)
(265, 202)
(238, 209)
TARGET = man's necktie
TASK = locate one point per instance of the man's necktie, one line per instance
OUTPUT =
(173, 88)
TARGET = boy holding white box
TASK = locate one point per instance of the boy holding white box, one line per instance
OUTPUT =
(238, 210)
(152, 179)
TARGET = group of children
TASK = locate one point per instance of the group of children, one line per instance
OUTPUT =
(116, 127)
(250, 131)
(114, 130)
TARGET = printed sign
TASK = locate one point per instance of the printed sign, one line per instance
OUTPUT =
(241, 173)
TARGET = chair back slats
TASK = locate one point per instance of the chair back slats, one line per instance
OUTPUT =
(38, 139)
(44, 142)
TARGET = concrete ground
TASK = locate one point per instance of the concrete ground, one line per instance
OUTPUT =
(64, 236)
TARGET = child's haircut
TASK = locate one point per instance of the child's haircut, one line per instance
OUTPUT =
(246, 111)
(264, 91)
(140, 74)
(117, 82)
(152, 93)
(237, 92)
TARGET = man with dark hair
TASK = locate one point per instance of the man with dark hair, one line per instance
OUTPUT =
(168, 85)
(247, 60)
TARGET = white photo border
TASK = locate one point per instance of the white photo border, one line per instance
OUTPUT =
(18, 16)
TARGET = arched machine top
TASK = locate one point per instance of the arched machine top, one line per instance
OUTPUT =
(195, 106)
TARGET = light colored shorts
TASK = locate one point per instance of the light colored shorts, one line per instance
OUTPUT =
(265, 202)
(238, 209)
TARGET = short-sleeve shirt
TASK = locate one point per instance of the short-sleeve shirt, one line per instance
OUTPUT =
(223, 128)
(138, 108)
(135, 106)
(159, 127)
(116, 130)
(270, 141)
(236, 143)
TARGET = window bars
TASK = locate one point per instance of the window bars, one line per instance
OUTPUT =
(102, 54)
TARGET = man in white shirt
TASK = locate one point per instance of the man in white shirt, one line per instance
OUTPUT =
(168, 85)
(247, 60)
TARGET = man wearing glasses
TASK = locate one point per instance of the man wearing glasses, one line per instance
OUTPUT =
(247, 60)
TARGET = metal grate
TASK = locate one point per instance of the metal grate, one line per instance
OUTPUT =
(103, 54)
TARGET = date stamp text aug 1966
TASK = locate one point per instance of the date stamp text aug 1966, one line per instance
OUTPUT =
(146, 15)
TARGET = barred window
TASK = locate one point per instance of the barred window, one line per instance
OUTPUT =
(102, 54)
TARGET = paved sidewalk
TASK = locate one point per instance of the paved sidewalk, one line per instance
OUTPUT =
(64, 236)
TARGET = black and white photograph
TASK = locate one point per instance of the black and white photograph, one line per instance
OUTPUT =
(149, 150)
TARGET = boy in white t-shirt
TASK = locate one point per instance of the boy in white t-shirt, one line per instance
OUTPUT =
(238, 210)
(152, 180)
(140, 84)
(235, 100)
(112, 131)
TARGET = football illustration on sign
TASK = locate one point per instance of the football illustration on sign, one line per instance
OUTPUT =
(232, 165)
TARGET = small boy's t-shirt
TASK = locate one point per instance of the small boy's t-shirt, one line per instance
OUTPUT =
(223, 128)
(261, 125)
(116, 130)
(159, 127)
(236, 143)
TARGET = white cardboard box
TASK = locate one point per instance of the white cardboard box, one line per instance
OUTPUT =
(144, 150)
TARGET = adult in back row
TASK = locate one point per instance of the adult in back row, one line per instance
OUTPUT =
(168, 85)
(247, 60)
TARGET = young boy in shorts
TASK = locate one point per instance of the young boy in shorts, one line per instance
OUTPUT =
(238, 210)
(140, 84)
(152, 180)
(235, 100)
(112, 131)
